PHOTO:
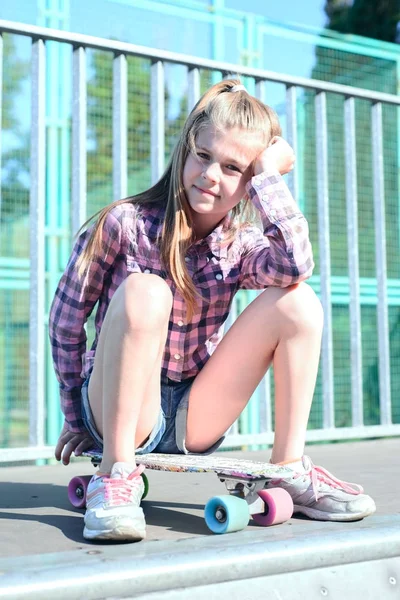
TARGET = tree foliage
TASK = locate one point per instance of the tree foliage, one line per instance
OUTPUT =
(15, 155)
(376, 19)
(100, 115)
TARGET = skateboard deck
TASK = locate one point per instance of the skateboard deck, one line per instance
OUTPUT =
(244, 480)
(193, 463)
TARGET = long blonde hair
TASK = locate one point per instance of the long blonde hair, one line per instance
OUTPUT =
(222, 109)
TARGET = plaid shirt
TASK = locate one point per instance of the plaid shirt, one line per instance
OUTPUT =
(281, 256)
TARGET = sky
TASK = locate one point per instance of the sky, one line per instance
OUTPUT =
(306, 12)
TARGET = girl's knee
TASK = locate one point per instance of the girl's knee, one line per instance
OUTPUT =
(306, 306)
(300, 308)
(148, 286)
(143, 298)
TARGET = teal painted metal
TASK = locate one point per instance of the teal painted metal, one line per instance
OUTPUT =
(55, 14)
(282, 32)
(218, 35)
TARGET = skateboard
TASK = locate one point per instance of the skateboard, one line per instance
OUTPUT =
(243, 479)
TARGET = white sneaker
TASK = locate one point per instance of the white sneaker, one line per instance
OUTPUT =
(319, 495)
(113, 510)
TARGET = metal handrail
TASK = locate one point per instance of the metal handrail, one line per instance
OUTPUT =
(89, 41)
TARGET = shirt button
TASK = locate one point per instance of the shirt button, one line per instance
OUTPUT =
(218, 276)
(272, 212)
(147, 271)
(177, 356)
(187, 259)
(180, 323)
(265, 197)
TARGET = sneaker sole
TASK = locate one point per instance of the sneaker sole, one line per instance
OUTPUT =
(129, 527)
(320, 515)
(121, 533)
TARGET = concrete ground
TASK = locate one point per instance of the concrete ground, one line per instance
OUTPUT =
(36, 517)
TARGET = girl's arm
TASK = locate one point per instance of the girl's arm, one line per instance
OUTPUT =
(73, 303)
(281, 254)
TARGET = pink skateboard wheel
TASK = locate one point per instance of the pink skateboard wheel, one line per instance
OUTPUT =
(77, 488)
(278, 507)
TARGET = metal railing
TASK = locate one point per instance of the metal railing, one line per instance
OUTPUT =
(158, 58)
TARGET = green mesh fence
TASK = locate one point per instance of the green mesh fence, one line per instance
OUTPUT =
(14, 245)
(331, 65)
(380, 75)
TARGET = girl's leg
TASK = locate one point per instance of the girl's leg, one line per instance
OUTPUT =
(283, 326)
(124, 388)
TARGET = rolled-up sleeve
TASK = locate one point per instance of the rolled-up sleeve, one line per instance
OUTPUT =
(280, 254)
(73, 303)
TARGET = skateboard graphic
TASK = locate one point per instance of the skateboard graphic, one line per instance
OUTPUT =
(244, 481)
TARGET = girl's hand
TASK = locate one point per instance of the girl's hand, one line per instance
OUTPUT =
(278, 155)
(70, 442)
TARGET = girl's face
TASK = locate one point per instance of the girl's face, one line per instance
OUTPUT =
(215, 176)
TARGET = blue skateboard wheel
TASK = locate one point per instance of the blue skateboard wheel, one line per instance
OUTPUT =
(225, 514)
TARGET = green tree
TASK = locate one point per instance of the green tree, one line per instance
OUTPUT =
(100, 93)
(15, 155)
(376, 19)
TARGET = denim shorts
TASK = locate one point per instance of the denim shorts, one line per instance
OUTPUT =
(169, 433)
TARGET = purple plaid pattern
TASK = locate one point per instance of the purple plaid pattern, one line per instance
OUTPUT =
(280, 257)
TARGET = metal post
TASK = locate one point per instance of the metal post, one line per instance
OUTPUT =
(1, 109)
(37, 241)
(260, 91)
(291, 116)
(157, 121)
(325, 260)
(381, 272)
(218, 36)
(264, 389)
(55, 14)
(79, 139)
(193, 88)
(353, 262)
(120, 126)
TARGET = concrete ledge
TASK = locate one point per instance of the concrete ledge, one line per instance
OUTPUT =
(219, 565)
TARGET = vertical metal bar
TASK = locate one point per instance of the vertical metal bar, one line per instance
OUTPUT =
(233, 313)
(79, 105)
(217, 36)
(55, 78)
(1, 111)
(381, 273)
(193, 88)
(353, 262)
(266, 420)
(397, 110)
(291, 117)
(157, 120)
(261, 92)
(37, 254)
(120, 126)
(325, 260)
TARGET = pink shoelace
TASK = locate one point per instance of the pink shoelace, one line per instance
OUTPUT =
(319, 474)
(118, 491)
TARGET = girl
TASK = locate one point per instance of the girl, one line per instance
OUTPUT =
(163, 268)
